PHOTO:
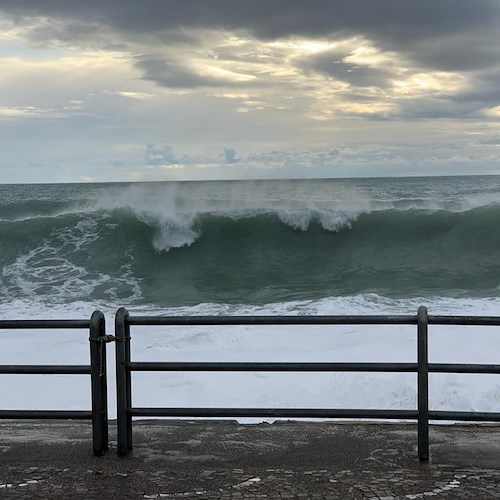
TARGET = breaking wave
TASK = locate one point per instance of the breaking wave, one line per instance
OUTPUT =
(172, 256)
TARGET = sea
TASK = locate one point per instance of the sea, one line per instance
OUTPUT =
(321, 246)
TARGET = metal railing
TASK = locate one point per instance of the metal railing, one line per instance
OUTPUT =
(125, 366)
(97, 371)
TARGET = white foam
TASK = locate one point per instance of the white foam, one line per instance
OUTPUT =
(277, 343)
(48, 271)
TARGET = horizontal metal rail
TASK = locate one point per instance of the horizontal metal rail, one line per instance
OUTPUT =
(272, 413)
(463, 368)
(45, 369)
(466, 416)
(465, 320)
(270, 367)
(52, 324)
(45, 414)
(310, 320)
(269, 320)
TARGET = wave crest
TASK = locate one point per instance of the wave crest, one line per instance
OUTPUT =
(179, 230)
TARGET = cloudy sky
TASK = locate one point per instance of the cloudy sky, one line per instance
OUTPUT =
(121, 90)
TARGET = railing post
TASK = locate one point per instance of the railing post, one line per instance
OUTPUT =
(423, 383)
(121, 382)
(128, 379)
(98, 383)
(104, 382)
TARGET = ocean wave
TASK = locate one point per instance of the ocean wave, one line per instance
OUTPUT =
(259, 254)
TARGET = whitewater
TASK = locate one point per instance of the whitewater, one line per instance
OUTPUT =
(351, 246)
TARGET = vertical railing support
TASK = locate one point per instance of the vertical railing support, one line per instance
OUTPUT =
(128, 379)
(423, 383)
(98, 383)
(122, 389)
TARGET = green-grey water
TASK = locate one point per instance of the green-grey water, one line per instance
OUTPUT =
(250, 242)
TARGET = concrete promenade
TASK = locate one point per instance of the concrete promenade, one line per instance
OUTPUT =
(225, 460)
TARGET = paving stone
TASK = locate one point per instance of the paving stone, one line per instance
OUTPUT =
(335, 462)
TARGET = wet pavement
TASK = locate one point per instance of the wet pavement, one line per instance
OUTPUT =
(225, 460)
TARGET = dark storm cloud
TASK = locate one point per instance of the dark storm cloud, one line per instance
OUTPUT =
(330, 64)
(484, 89)
(446, 35)
(459, 34)
(173, 75)
(438, 108)
(395, 18)
(467, 52)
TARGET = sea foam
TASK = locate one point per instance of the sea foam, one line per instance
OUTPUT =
(279, 343)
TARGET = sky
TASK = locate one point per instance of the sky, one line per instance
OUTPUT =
(122, 90)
